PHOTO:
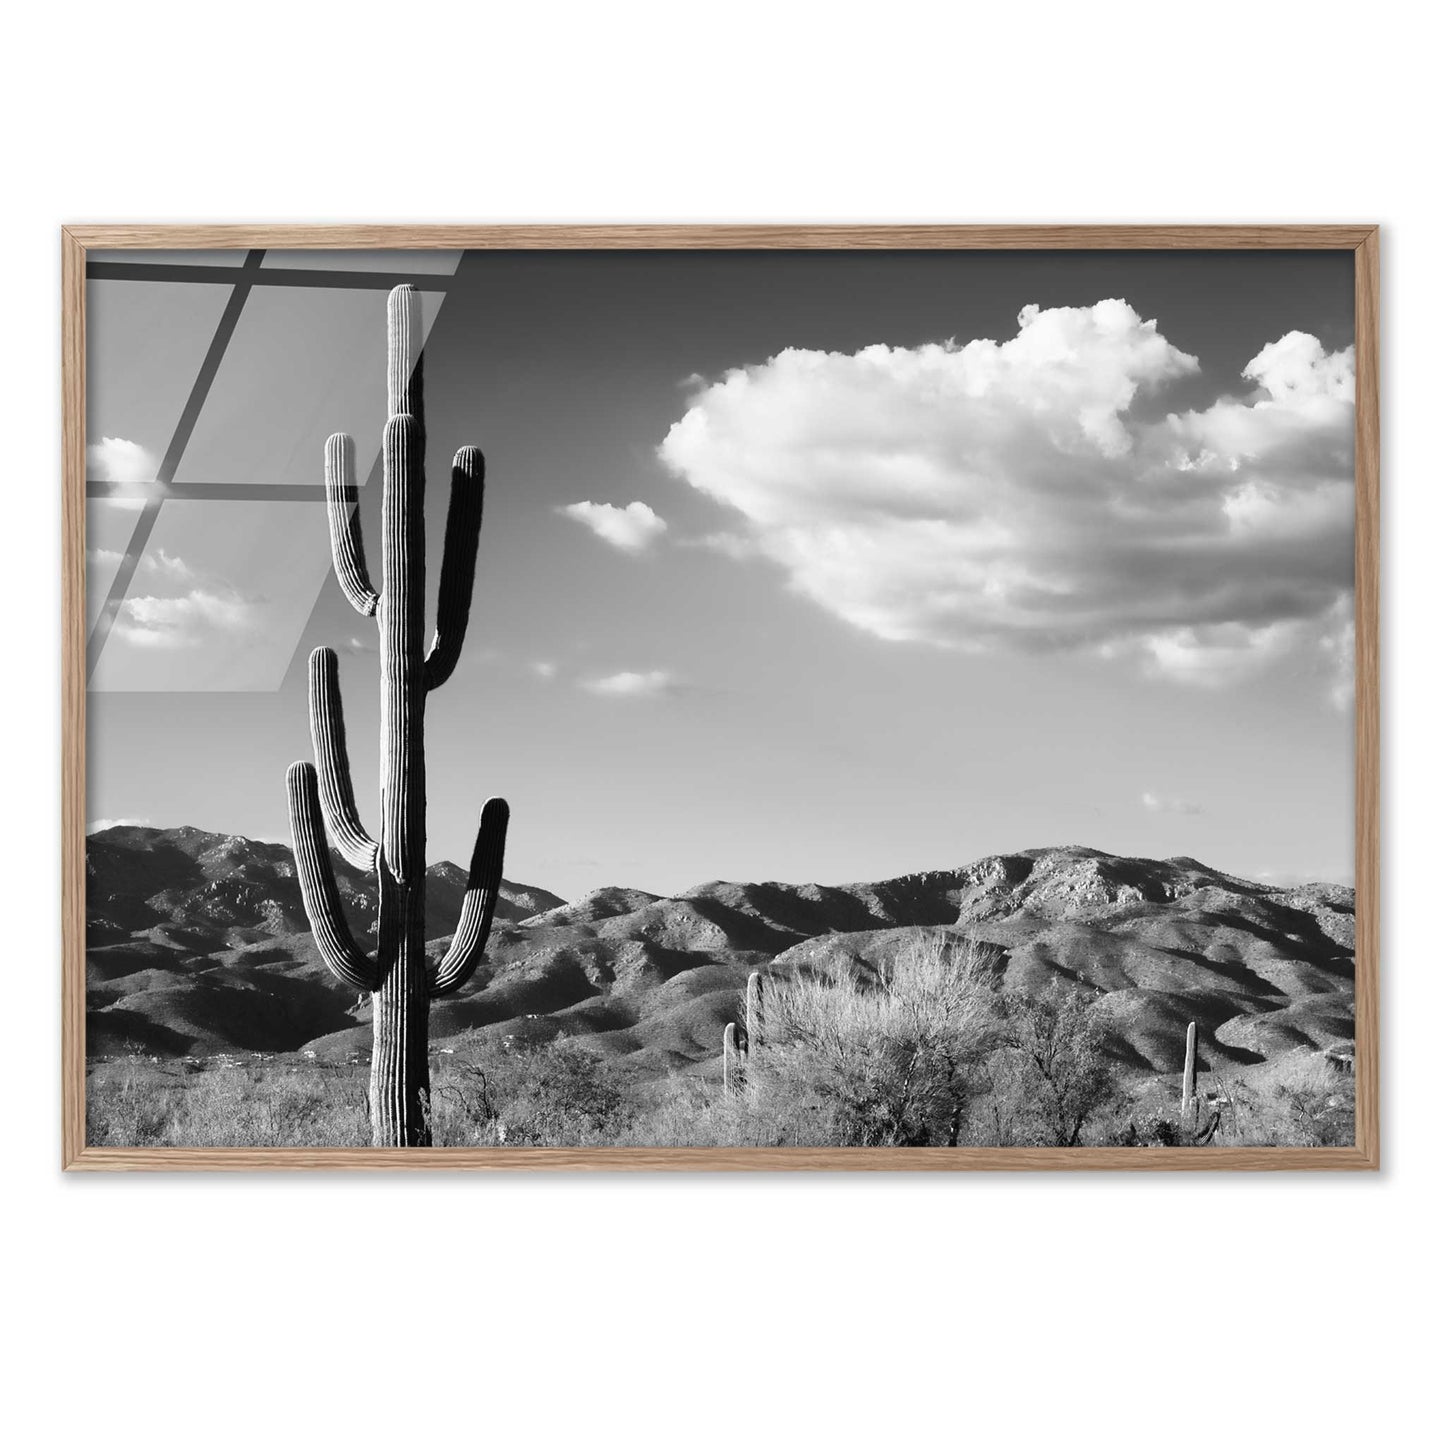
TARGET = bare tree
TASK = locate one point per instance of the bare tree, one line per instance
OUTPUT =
(1053, 1065)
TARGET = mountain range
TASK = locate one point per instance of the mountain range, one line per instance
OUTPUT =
(197, 943)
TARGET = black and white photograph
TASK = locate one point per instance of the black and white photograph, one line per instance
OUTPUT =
(725, 723)
(873, 698)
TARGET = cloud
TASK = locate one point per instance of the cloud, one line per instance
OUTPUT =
(632, 528)
(632, 684)
(728, 544)
(187, 620)
(1280, 878)
(1011, 496)
(545, 670)
(1337, 649)
(114, 459)
(184, 607)
(155, 562)
(1156, 803)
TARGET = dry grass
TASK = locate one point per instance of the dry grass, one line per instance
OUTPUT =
(1299, 1101)
(488, 1097)
(225, 1103)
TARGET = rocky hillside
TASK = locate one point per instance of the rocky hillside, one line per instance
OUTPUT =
(198, 944)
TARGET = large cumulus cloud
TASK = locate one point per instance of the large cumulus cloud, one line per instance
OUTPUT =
(1015, 495)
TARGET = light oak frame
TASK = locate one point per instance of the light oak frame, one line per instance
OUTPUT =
(1363, 240)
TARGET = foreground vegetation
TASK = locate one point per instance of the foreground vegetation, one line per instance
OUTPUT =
(930, 1052)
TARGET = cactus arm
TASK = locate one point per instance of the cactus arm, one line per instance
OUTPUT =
(347, 554)
(484, 882)
(754, 1014)
(459, 565)
(328, 737)
(318, 883)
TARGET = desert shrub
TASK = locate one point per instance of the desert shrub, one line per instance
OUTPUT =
(1297, 1101)
(687, 1111)
(1301, 1102)
(684, 1112)
(850, 1057)
(1158, 1123)
(530, 1094)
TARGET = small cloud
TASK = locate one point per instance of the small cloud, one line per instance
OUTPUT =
(101, 824)
(632, 684)
(1219, 655)
(155, 562)
(545, 670)
(182, 622)
(358, 645)
(726, 544)
(632, 528)
(1158, 803)
(114, 459)
(1292, 878)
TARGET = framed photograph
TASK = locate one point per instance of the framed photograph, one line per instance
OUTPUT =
(721, 698)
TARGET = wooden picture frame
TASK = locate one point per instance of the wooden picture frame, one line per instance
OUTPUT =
(1363, 240)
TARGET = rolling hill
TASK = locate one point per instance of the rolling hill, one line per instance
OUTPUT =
(198, 944)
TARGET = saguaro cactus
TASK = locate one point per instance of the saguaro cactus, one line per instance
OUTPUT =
(1187, 1101)
(738, 1053)
(399, 976)
(753, 1014)
(732, 1060)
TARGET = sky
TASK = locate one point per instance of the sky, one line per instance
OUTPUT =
(795, 565)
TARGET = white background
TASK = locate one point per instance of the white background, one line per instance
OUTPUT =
(759, 1308)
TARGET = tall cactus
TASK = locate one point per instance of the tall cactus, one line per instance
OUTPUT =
(1188, 1104)
(399, 976)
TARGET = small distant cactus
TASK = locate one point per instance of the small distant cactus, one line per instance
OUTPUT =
(732, 1060)
(400, 978)
(1189, 1103)
(737, 1053)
